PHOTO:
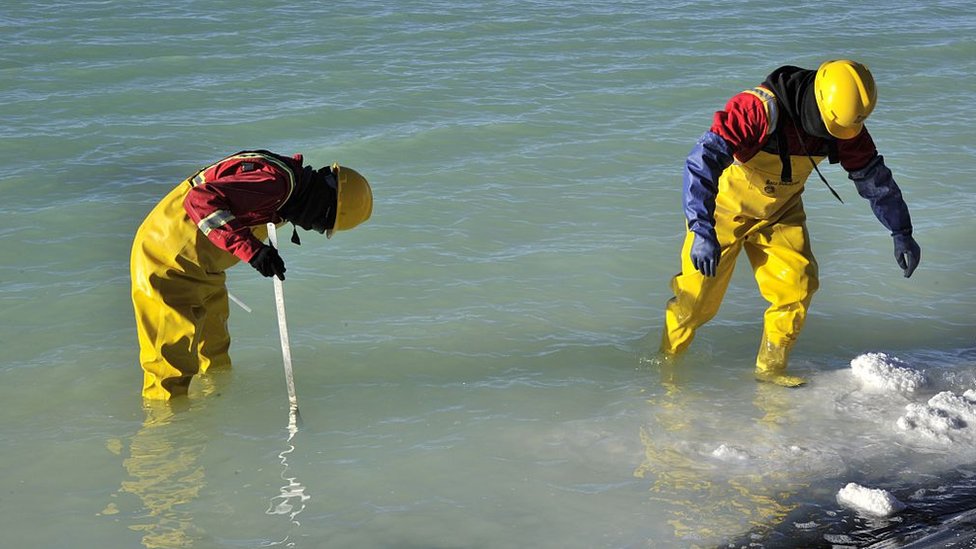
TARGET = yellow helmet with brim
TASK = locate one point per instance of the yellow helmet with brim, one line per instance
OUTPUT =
(354, 199)
(846, 95)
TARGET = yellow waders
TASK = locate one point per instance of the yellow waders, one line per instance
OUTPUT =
(179, 298)
(756, 211)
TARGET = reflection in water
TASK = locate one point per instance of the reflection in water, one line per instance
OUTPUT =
(708, 491)
(165, 474)
(291, 500)
(165, 471)
(292, 497)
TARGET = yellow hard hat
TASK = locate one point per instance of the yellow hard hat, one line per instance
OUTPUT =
(354, 199)
(846, 95)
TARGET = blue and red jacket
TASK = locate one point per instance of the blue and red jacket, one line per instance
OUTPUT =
(742, 129)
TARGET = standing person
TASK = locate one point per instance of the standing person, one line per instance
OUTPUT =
(742, 186)
(208, 223)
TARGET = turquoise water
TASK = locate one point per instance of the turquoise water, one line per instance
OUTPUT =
(466, 362)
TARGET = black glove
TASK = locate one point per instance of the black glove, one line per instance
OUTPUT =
(268, 262)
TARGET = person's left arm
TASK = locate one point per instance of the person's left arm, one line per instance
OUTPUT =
(874, 182)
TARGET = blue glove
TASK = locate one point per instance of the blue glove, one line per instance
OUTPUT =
(705, 253)
(907, 253)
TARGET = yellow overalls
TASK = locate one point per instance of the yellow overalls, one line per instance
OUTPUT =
(179, 298)
(757, 211)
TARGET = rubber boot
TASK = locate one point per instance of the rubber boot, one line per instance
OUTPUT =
(771, 364)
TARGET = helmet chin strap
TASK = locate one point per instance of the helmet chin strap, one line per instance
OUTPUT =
(814, 163)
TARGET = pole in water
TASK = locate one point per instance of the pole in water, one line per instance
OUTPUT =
(293, 417)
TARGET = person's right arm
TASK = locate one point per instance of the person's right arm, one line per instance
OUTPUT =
(739, 127)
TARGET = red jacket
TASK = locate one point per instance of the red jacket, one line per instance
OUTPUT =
(239, 192)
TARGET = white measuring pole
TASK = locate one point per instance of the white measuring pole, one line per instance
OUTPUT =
(285, 347)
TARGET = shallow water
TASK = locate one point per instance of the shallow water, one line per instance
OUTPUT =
(468, 363)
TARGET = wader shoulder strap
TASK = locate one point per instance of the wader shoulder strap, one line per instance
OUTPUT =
(773, 124)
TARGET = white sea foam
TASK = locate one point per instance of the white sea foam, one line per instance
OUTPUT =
(881, 372)
(946, 418)
(727, 452)
(869, 501)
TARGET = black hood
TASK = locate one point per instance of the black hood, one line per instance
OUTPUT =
(794, 91)
(312, 204)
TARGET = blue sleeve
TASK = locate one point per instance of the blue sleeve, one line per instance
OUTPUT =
(706, 162)
(875, 183)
